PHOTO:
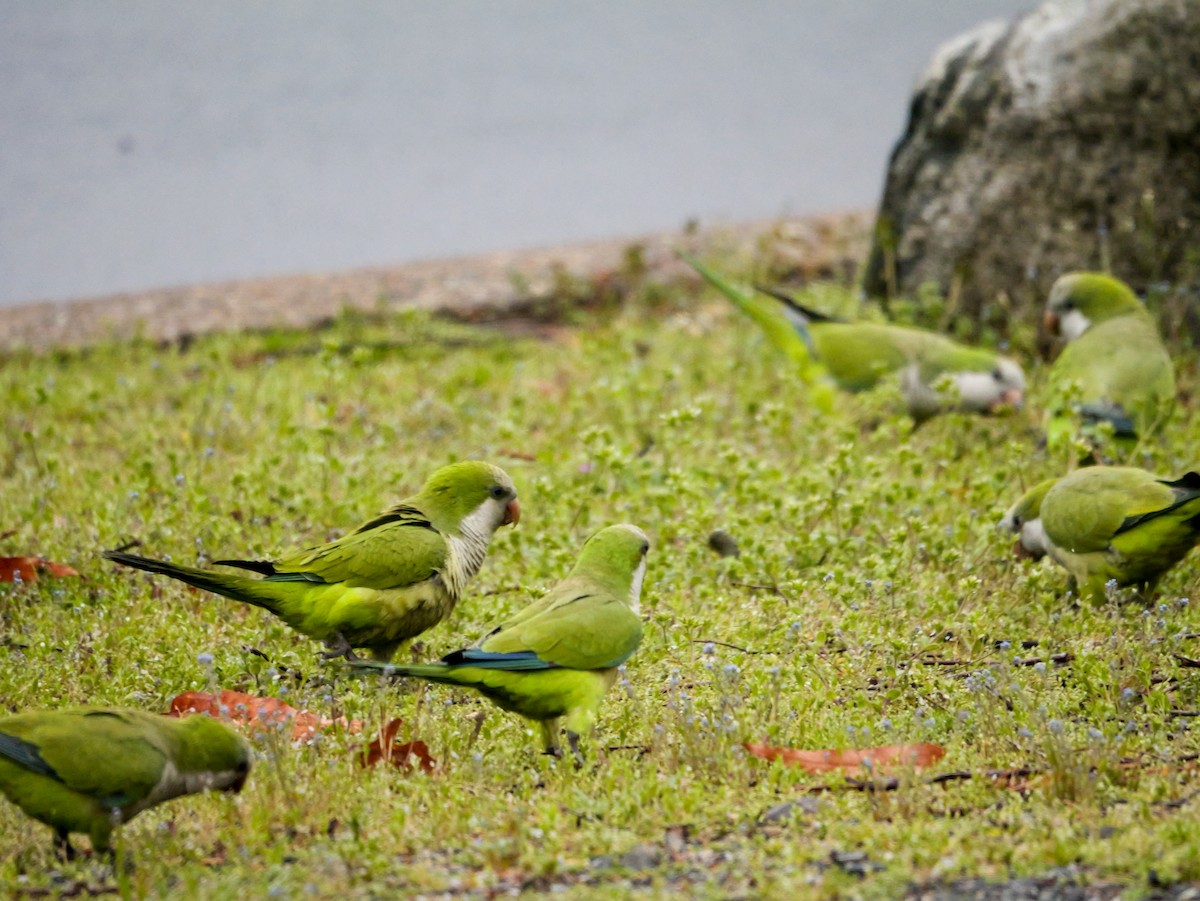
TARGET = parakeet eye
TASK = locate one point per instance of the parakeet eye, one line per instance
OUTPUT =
(997, 375)
(499, 492)
(645, 547)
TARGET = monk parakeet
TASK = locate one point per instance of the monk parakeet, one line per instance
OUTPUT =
(1118, 524)
(90, 769)
(1114, 369)
(1024, 520)
(936, 374)
(385, 582)
(556, 658)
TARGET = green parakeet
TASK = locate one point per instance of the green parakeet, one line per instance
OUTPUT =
(1024, 520)
(555, 659)
(387, 581)
(90, 769)
(1114, 369)
(1118, 524)
(936, 374)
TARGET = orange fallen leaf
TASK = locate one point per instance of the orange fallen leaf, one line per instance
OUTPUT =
(917, 755)
(261, 714)
(403, 755)
(27, 568)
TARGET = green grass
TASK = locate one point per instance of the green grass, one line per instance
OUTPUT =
(870, 562)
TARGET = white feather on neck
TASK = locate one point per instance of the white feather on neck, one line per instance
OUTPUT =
(635, 587)
(469, 547)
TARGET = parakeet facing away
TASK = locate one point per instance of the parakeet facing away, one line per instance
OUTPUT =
(1024, 520)
(385, 582)
(936, 374)
(1119, 524)
(90, 769)
(1114, 368)
(555, 659)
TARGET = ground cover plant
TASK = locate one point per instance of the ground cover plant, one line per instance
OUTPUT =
(872, 601)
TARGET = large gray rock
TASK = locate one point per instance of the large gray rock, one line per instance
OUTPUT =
(1068, 140)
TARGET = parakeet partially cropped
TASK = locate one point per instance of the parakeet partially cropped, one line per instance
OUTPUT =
(555, 659)
(936, 374)
(1118, 524)
(90, 769)
(385, 582)
(1114, 370)
(1024, 520)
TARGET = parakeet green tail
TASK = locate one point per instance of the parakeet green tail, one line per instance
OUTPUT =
(781, 331)
(279, 593)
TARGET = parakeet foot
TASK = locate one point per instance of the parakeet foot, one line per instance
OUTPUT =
(338, 647)
(573, 741)
(62, 846)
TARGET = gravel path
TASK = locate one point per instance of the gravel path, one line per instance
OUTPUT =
(467, 286)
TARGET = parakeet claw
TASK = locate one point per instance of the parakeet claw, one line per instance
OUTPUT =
(338, 647)
(63, 847)
(573, 741)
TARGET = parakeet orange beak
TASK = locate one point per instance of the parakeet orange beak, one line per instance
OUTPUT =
(512, 513)
(1010, 399)
(1050, 322)
(1023, 553)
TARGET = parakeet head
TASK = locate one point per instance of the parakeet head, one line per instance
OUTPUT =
(616, 556)
(973, 380)
(211, 755)
(1023, 519)
(1079, 300)
(470, 496)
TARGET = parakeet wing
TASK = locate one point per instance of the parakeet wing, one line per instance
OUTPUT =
(583, 631)
(1184, 492)
(1083, 515)
(397, 548)
(99, 754)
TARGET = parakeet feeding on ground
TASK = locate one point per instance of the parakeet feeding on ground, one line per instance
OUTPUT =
(1024, 520)
(555, 659)
(387, 581)
(90, 769)
(1114, 524)
(1114, 374)
(936, 374)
